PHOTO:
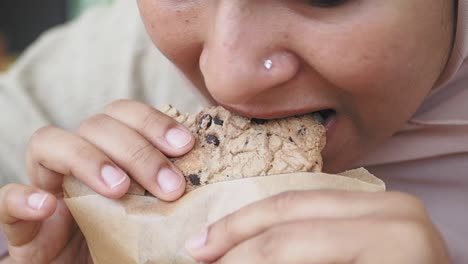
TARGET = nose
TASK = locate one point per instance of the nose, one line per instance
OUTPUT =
(243, 54)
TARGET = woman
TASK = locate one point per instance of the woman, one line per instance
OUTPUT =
(385, 71)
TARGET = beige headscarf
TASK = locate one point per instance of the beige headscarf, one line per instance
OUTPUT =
(440, 126)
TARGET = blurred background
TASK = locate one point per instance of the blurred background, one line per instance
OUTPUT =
(22, 21)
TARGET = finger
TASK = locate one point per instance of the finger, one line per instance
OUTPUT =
(45, 178)
(22, 208)
(320, 241)
(54, 152)
(137, 156)
(166, 134)
(358, 240)
(289, 206)
(53, 237)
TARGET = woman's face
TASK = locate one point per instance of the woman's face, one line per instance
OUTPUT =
(370, 61)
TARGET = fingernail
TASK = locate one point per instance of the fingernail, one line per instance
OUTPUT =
(112, 176)
(37, 200)
(197, 241)
(178, 138)
(168, 180)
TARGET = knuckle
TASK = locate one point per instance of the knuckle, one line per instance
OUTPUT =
(82, 155)
(10, 186)
(328, 198)
(152, 119)
(282, 202)
(7, 194)
(38, 136)
(409, 229)
(142, 154)
(114, 105)
(81, 150)
(407, 198)
(230, 226)
(410, 204)
(270, 245)
(92, 123)
(6, 190)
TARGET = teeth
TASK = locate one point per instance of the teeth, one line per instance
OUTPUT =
(318, 117)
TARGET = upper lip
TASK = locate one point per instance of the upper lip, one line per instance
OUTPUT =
(273, 113)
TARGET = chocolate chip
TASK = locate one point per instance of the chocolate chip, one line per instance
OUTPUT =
(218, 121)
(269, 134)
(302, 131)
(194, 179)
(290, 139)
(212, 139)
(205, 121)
(258, 121)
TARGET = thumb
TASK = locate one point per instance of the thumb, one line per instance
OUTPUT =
(22, 210)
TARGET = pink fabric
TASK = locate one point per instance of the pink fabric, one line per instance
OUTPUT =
(3, 246)
(429, 156)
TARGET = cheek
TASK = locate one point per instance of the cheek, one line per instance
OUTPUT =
(378, 73)
(174, 29)
(384, 63)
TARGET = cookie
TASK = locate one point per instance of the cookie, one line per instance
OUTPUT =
(229, 146)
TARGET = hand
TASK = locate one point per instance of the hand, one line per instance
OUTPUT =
(129, 138)
(324, 227)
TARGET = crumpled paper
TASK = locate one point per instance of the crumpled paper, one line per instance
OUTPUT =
(143, 229)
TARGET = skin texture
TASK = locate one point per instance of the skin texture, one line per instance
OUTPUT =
(324, 227)
(362, 58)
(130, 137)
(372, 61)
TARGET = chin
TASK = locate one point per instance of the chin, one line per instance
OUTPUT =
(333, 166)
(340, 159)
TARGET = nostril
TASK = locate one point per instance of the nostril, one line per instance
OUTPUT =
(237, 79)
(203, 59)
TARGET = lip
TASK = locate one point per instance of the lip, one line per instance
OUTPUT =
(268, 114)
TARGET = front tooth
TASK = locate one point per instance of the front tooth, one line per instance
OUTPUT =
(319, 117)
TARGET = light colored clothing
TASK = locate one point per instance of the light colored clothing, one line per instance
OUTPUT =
(73, 71)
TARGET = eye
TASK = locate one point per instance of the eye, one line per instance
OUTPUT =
(324, 3)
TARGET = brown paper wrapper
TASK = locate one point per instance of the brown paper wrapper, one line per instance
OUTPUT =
(143, 229)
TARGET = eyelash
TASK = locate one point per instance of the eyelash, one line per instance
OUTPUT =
(324, 3)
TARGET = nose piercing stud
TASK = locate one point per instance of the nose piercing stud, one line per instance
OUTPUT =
(268, 64)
